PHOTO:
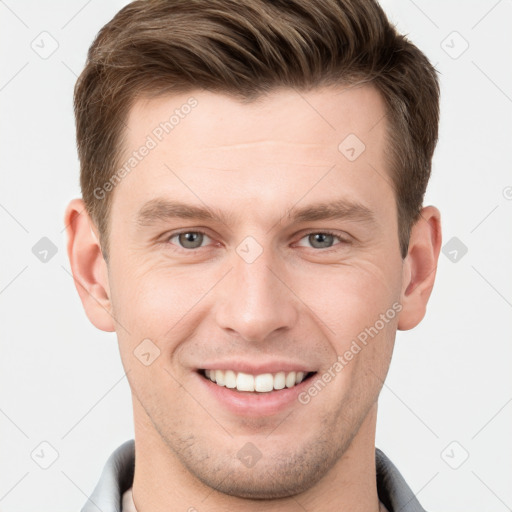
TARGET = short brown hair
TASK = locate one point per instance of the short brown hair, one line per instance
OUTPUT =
(247, 48)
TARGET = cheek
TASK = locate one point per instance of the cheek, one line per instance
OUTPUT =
(350, 298)
(357, 307)
(150, 299)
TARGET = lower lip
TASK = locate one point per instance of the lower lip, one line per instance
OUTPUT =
(247, 403)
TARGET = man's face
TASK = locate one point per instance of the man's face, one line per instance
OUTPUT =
(262, 290)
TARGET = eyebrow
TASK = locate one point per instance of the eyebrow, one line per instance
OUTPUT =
(161, 210)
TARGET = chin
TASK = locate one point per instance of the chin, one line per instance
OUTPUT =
(277, 474)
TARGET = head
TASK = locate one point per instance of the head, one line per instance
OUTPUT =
(253, 175)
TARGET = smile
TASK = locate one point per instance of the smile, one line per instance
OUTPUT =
(262, 383)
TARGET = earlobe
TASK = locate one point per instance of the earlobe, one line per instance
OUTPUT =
(419, 268)
(88, 266)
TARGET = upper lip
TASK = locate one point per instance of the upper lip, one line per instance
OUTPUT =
(259, 368)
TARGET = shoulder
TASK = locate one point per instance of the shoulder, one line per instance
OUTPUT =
(392, 488)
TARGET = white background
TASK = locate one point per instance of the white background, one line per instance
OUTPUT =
(61, 380)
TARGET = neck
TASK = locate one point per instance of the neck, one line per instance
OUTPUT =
(162, 483)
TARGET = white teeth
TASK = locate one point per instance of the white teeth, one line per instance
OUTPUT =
(244, 382)
(230, 379)
(279, 380)
(262, 383)
(219, 377)
(290, 379)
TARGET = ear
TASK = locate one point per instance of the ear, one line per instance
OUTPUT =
(419, 267)
(88, 266)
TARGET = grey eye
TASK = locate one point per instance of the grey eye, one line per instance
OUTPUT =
(190, 239)
(321, 240)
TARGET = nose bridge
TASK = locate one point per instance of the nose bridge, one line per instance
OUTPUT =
(255, 300)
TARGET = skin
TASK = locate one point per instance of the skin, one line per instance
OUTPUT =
(297, 301)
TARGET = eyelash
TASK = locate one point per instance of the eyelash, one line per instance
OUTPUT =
(324, 232)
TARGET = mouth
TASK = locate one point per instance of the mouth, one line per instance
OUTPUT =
(255, 384)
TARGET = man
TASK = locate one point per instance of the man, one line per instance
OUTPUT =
(252, 228)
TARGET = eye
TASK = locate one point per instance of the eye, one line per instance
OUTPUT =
(189, 239)
(322, 239)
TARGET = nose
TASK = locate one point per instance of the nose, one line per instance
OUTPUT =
(256, 300)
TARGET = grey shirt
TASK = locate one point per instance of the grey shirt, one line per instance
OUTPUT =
(117, 477)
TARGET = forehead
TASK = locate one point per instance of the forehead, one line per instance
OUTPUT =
(212, 146)
(200, 119)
